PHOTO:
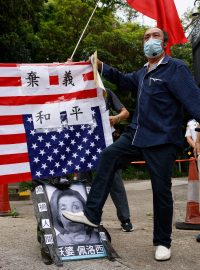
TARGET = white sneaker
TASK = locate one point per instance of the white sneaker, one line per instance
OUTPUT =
(78, 217)
(162, 253)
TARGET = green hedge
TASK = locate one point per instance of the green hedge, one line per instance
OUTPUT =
(139, 171)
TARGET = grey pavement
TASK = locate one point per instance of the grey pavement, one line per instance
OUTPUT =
(20, 250)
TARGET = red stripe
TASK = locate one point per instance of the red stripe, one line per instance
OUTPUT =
(13, 178)
(16, 81)
(8, 65)
(77, 63)
(11, 120)
(10, 81)
(45, 64)
(25, 100)
(88, 76)
(12, 138)
(53, 80)
(14, 158)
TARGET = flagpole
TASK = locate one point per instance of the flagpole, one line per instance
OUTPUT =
(84, 31)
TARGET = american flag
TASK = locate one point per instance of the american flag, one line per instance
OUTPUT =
(52, 120)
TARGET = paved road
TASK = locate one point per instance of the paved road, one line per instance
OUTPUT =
(20, 250)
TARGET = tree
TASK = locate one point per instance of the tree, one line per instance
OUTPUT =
(62, 25)
(19, 22)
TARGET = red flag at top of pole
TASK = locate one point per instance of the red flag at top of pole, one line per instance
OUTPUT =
(165, 13)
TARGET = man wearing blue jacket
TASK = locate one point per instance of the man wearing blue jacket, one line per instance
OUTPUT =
(164, 86)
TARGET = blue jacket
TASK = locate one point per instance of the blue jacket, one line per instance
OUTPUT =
(162, 94)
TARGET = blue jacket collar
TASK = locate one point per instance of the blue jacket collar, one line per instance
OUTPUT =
(165, 60)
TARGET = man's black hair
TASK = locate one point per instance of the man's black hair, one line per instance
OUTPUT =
(166, 36)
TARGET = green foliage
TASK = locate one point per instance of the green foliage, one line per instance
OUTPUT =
(19, 22)
(184, 52)
(23, 186)
(139, 171)
(48, 31)
(61, 27)
(135, 172)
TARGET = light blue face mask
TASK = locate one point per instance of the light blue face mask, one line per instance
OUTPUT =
(153, 48)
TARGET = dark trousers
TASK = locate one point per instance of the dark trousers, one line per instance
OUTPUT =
(119, 197)
(159, 159)
(117, 193)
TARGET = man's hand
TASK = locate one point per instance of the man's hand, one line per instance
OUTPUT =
(114, 119)
(99, 63)
(69, 60)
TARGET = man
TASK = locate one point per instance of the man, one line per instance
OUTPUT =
(163, 86)
(118, 113)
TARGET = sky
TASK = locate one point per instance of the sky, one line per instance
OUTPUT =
(181, 6)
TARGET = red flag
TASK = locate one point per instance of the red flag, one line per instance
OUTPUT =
(165, 13)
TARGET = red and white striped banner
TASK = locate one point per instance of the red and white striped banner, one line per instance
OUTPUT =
(29, 89)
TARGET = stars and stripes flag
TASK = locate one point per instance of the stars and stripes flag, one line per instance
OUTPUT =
(53, 120)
